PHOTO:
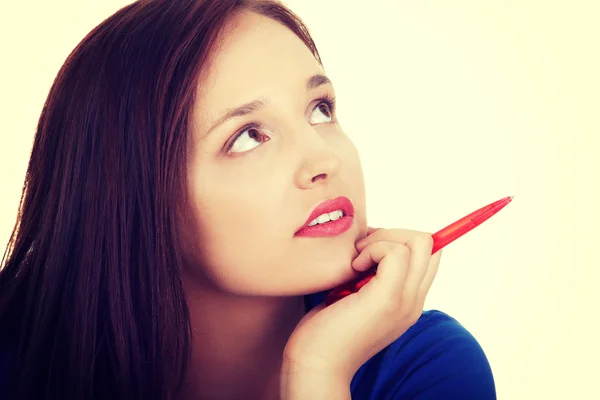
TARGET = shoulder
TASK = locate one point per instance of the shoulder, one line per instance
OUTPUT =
(437, 358)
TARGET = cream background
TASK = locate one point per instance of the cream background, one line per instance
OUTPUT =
(452, 105)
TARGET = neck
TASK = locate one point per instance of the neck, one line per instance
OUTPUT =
(238, 344)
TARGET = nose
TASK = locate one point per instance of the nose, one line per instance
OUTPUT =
(318, 168)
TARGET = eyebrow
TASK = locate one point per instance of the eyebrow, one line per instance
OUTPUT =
(313, 82)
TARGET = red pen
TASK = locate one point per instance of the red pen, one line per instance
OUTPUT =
(440, 239)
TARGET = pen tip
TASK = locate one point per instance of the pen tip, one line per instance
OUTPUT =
(512, 197)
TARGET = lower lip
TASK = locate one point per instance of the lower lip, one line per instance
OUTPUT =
(331, 228)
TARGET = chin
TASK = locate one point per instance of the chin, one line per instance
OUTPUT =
(338, 276)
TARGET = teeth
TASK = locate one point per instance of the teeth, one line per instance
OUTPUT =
(323, 218)
(336, 215)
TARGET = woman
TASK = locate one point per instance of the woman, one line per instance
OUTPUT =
(163, 248)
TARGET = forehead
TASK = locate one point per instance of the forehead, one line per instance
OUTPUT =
(258, 57)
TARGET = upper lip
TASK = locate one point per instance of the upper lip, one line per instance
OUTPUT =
(339, 203)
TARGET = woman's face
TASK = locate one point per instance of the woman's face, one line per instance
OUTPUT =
(255, 178)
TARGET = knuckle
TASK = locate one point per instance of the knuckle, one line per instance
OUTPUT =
(401, 250)
(423, 239)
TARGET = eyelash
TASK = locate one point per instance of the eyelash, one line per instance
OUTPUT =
(328, 99)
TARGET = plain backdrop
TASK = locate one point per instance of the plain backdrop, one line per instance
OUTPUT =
(452, 105)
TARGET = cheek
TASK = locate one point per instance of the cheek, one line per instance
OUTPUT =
(353, 176)
(353, 173)
(237, 241)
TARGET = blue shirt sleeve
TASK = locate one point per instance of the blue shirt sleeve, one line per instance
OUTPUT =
(437, 358)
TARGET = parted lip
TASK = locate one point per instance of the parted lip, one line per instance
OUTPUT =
(339, 203)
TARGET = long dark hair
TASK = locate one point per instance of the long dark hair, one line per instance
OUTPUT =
(91, 298)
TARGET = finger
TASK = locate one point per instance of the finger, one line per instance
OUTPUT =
(371, 230)
(392, 263)
(420, 246)
(388, 235)
(366, 258)
(370, 257)
(434, 263)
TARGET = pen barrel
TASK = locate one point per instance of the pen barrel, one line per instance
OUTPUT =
(451, 233)
(467, 223)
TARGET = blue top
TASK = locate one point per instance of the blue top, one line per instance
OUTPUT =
(436, 358)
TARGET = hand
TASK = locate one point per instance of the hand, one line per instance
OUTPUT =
(337, 340)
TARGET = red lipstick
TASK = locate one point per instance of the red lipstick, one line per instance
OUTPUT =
(330, 228)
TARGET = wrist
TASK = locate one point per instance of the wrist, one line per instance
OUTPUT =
(298, 382)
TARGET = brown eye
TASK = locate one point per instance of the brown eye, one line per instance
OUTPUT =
(325, 109)
(322, 113)
(244, 140)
